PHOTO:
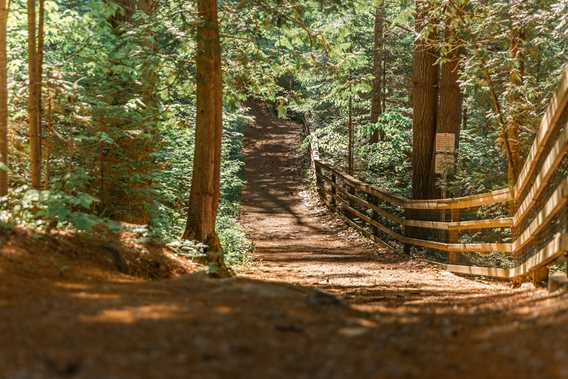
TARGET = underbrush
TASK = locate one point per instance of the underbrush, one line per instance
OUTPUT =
(69, 204)
(173, 187)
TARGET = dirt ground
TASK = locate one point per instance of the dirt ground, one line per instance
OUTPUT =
(317, 302)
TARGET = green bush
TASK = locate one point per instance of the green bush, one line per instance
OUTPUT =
(173, 184)
(64, 205)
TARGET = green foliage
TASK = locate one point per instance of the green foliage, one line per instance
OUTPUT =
(480, 165)
(388, 161)
(63, 206)
(122, 96)
(173, 185)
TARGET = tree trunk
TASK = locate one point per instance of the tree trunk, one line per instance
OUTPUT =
(350, 139)
(425, 102)
(205, 186)
(378, 49)
(514, 98)
(448, 132)
(448, 116)
(34, 113)
(3, 98)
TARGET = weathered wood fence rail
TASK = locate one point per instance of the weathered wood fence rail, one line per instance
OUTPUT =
(538, 226)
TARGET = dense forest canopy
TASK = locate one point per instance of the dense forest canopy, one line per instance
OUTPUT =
(99, 97)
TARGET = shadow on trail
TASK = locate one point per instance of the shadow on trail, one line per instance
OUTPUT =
(242, 328)
(409, 320)
(79, 318)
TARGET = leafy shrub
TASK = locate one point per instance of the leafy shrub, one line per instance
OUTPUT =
(55, 208)
(388, 161)
(173, 184)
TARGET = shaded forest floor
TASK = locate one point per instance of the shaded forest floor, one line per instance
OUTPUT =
(317, 302)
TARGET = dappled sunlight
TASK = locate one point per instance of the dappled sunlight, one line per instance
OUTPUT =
(95, 296)
(131, 315)
(283, 189)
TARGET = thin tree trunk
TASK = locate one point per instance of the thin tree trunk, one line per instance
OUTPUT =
(205, 186)
(39, 79)
(49, 130)
(33, 96)
(385, 57)
(39, 67)
(3, 97)
(151, 102)
(350, 142)
(517, 72)
(378, 49)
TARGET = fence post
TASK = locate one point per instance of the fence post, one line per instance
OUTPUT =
(405, 247)
(319, 181)
(454, 236)
(373, 200)
(564, 229)
(334, 191)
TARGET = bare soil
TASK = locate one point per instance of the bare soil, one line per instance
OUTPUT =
(317, 302)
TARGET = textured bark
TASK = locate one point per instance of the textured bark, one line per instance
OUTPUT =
(450, 98)
(378, 52)
(34, 103)
(205, 185)
(514, 122)
(3, 96)
(449, 122)
(425, 101)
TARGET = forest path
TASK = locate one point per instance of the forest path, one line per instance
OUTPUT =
(426, 322)
(67, 312)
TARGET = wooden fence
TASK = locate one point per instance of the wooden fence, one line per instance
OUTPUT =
(537, 229)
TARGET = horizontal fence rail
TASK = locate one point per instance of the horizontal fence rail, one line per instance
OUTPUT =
(538, 225)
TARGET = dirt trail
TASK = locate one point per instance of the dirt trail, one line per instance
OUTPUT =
(66, 312)
(424, 322)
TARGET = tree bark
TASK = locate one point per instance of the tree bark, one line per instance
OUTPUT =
(205, 187)
(516, 73)
(449, 111)
(448, 131)
(378, 52)
(425, 102)
(3, 97)
(34, 112)
(350, 131)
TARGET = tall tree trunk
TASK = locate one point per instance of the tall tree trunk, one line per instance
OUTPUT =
(514, 99)
(33, 96)
(425, 102)
(3, 97)
(378, 57)
(448, 131)
(151, 102)
(205, 187)
(150, 78)
(449, 114)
